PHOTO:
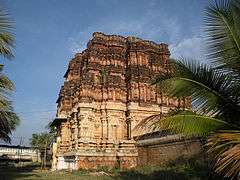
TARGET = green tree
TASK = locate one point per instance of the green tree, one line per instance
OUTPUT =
(214, 89)
(42, 142)
(8, 119)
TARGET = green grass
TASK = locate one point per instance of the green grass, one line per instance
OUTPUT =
(181, 169)
(33, 171)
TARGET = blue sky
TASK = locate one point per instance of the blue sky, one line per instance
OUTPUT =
(49, 32)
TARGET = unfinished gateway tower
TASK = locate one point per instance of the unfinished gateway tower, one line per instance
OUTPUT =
(107, 91)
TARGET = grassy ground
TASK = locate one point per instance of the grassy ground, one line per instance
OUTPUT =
(190, 169)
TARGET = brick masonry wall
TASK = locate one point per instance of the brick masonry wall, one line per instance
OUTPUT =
(161, 152)
(96, 162)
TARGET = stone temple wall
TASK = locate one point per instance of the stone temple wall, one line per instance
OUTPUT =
(160, 151)
(106, 93)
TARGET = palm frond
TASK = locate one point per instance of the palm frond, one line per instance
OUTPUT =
(212, 91)
(147, 125)
(223, 37)
(8, 119)
(225, 147)
(6, 87)
(187, 123)
(6, 36)
(6, 83)
(191, 125)
(40, 140)
(8, 122)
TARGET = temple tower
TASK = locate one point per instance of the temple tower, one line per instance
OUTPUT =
(106, 93)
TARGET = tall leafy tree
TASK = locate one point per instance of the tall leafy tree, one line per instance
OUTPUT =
(42, 142)
(214, 89)
(8, 119)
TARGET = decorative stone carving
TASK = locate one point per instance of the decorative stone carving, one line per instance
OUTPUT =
(109, 84)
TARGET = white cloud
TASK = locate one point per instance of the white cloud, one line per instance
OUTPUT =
(189, 47)
(76, 46)
(151, 25)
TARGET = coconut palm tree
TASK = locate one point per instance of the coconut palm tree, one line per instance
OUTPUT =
(42, 142)
(8, 119)
(214, 89)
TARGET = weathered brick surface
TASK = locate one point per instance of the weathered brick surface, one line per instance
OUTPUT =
(107, 91)
(127, 162)
(163, 152)
(95, 162)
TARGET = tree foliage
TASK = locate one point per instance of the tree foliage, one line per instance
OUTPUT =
(6, 36)
(8, 119)
(41, 140)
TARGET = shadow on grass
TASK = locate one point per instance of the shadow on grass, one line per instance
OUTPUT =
(161, 174)
(166, 175)
(17, 171)
(195, 168)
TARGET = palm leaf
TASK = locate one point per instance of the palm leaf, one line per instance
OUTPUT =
(225, 146)
(8, 121)
(6, 36)
(190, 124)
(212, 91)
(187, 123)
(223, 35)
